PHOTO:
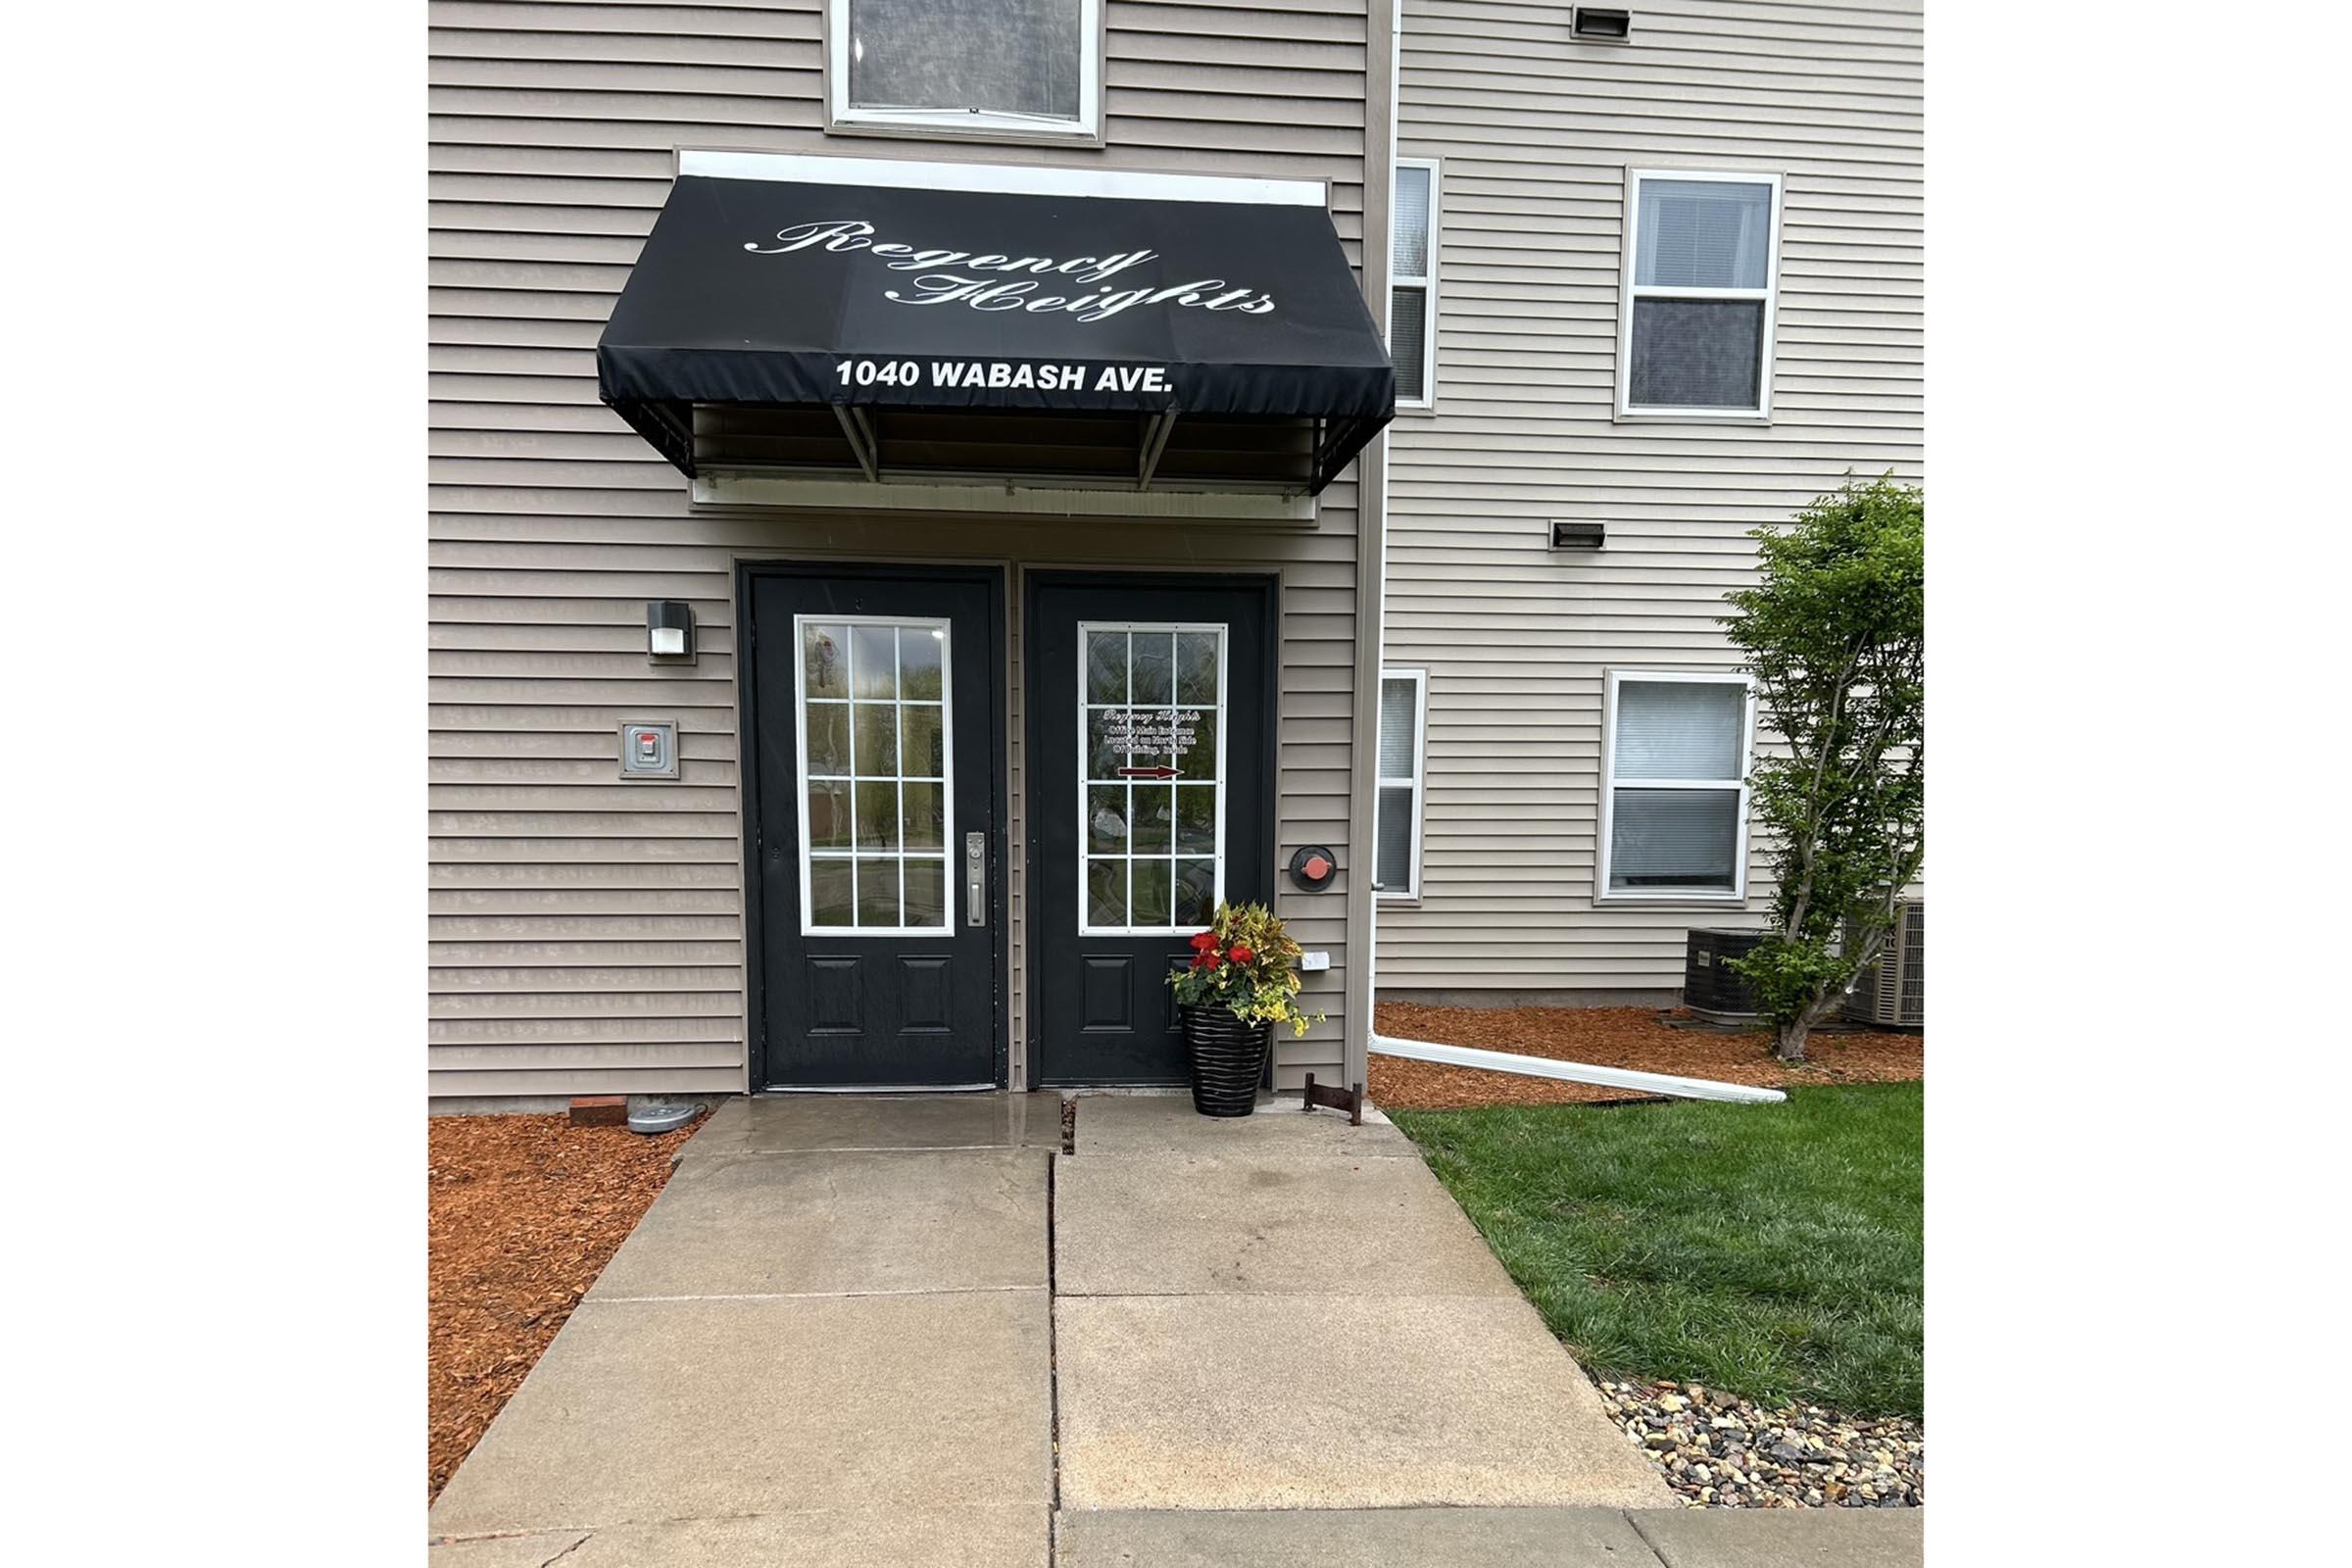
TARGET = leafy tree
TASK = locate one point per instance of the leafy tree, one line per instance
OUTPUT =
(1836, 641)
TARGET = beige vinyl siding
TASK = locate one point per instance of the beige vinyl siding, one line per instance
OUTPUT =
(1536, 132)
(588, 935)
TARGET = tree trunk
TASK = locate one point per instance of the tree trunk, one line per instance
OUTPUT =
(1788, 1042)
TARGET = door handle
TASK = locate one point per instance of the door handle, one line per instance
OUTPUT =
(975, 879)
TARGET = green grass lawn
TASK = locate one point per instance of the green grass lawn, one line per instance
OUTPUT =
(1768, 1250)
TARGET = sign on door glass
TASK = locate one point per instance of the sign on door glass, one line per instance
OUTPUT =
(875, 794)
(1150, 777)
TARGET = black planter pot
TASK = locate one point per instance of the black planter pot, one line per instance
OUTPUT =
(1228, 1059)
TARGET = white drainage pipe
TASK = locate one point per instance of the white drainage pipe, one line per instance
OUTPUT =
(1574, 1072)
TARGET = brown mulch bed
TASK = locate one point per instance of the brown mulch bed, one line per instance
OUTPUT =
(525, 1211)
(1613, 1037)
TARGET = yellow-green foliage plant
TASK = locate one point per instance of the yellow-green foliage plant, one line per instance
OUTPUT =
(1247, 963)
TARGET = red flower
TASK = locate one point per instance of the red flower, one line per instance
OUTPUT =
(1204, 941)
(1240, 954)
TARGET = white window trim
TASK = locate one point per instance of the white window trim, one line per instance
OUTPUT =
(1426, 282)
(1627, 293)
(1601, 890)
(1410, 894)
(947, 743)
(993, 125)
(1224, 713)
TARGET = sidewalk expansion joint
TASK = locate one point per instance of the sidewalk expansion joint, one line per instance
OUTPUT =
(1052, 1373)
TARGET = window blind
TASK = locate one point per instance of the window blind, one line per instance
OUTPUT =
(1679, 729)
(1001, 56)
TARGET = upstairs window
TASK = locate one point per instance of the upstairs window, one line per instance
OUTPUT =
(1397, 866)
(1696, 320)
(999, 66)
(1413, 283)
(1674, 802)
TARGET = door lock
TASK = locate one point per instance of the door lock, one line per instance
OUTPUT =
(975, 879)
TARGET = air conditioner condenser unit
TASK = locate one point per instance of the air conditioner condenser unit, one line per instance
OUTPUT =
(1891, 993)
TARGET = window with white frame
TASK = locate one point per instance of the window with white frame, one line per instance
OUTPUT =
(1413, 282)
(1020, 66)
(1696, 320)
(1397, 826)
(874, 734)
(1674, 797)
(1150, 776)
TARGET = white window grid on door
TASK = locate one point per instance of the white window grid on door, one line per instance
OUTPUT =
(1629, 262)
(898, 778)
(841, 45)
(1387, 783)
(1085, 783)
(1613, 681)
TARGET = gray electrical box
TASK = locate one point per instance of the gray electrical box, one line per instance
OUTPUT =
(648, 748)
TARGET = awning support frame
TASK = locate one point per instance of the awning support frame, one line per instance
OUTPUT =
(1154, 442)
(1338, 444)
(860, 435)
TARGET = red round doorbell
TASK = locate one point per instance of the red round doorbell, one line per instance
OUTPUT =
(1313, 867)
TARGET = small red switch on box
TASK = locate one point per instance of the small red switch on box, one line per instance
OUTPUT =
(600, 1110)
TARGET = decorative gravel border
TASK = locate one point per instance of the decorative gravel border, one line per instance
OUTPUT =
(1717, 1450)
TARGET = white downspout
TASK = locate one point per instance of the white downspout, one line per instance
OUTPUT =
(1380, 599)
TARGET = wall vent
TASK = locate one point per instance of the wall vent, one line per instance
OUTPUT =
(1604, 27)
(1578, 534)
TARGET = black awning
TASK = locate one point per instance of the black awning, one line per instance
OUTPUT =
(920, 333)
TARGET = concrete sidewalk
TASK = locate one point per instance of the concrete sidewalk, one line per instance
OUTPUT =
(836, 1337)
(827, 1342)
(1290, 1312)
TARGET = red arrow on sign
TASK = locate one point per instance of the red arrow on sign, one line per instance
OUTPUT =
(1147, 772)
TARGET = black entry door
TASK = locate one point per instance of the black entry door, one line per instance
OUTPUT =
(1151, 792)
(876, 724)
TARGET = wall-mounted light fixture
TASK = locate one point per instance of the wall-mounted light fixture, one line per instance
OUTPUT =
(670, 631)
(1577, 533)
(1602, 26)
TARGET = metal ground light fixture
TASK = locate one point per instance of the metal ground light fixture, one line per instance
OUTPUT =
(670, 631)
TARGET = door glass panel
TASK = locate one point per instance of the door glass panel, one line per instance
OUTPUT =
(1106, 818)
(830, 893)
(922, 742)
(1155, 819)
(922, 815)
(874, 739)
(824, 661)
(1196, 668)
(1107, 669)
(828, 814)
(1196, 892)
(875, 662)
(1196, 819)
(926, 892)
(877, 815)
(878, 891)
(1152, 789)
(1148, 903)
(1153, 658)
(921, 660)
(828, 740)
(1106, 893)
